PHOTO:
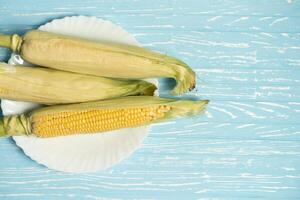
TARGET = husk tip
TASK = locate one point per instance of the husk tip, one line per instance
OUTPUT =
(149, 90)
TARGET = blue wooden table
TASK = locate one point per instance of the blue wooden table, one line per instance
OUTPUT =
(246, 146)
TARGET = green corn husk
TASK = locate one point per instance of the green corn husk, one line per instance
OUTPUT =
(48, 86)
(99, 58)
(99, 116)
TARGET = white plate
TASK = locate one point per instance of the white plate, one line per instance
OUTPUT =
(79, 153)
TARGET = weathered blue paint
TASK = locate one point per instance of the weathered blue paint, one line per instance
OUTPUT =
(246, 146)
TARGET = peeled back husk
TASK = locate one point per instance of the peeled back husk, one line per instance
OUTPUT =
(99, 116)
(48, 86)
(99, 58)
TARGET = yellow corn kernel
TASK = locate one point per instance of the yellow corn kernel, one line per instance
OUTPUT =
(90, 121)
(100, 116)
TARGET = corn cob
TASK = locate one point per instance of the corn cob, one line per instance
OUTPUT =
(48, 86)
(100, 116)
(99, 58)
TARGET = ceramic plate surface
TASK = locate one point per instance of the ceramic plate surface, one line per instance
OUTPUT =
(79, 153)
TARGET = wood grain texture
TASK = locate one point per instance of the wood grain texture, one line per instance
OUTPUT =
(247, 143)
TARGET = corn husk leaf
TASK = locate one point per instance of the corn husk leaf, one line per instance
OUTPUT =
(100, 58)
(48, 86)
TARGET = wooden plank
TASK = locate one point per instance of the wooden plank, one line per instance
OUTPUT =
(117, 7)
(227, 92)
(230, 50)
(271, 77)
(237, 50)
(244, 93)
(253, 169)
(198, 130)
(180, 22)
(240, 7)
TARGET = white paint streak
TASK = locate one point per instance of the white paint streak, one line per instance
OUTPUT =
(208, 114)
(247, 112)
(158, 43)
(222, 125)
(260, 43)
(155, 26)
(275, 88)
(39, 14)
(278, 20)
(214, 18)
(294, 103)
(238, 20)
(273, 104)
(211, 43)
(196, 124)
(202, 191)
(164, 123)
(268, 35)
(264, 18)
(254, 28)
(143, 10)
(224, 111)
(244, 126)
(294, 62)
(22, 195)
(267, 110)
(242, 104)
